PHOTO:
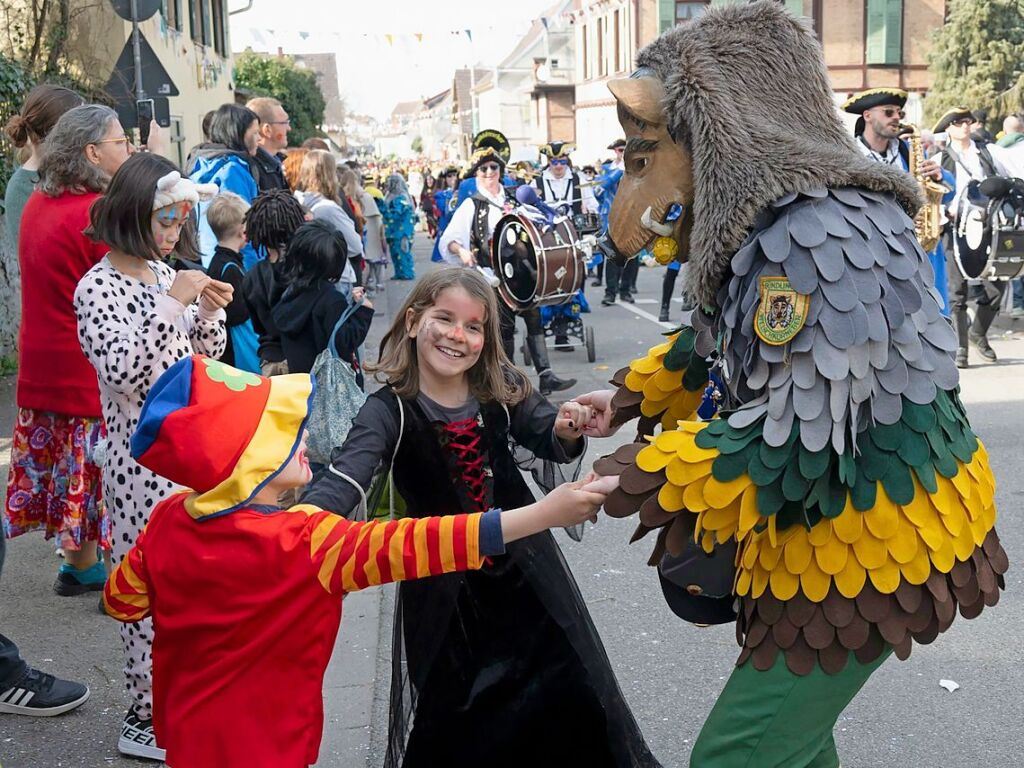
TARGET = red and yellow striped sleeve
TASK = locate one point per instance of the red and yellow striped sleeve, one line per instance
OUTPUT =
(350, 556)
(126, 594)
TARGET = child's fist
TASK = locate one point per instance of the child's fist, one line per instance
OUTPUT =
(572, 419)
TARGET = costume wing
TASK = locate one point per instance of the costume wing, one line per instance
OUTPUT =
(862, 502)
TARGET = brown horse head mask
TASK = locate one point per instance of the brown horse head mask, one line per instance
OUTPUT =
(658, 177)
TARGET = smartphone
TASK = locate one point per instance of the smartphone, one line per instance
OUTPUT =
(145, 110)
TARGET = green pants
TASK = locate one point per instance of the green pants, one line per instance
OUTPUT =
(776, 719)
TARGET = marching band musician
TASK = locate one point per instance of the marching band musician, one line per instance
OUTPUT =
(877, 132)
(466, 242)
(969, 161)
(559, 184)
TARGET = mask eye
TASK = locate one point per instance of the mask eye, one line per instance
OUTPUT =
(638, 163)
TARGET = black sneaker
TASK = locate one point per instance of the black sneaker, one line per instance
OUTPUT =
(71, 581)
(137, 738)
(627, 297)
(986, 351)
(607, 301)
(38, 694)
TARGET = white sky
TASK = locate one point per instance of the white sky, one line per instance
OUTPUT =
(373, 75)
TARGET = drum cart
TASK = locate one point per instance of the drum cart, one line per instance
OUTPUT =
(545, 267)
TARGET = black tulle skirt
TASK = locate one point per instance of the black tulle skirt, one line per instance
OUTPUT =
(504, 667)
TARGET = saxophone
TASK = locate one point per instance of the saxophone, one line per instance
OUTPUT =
(929, 219)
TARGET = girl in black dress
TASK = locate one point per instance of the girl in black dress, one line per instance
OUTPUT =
(502, 667)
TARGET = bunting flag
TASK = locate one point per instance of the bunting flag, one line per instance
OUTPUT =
(418, 36)
(390, 39)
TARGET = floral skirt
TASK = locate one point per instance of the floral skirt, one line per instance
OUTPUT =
(55, 481)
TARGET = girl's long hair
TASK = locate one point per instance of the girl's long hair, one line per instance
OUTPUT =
(493, 378)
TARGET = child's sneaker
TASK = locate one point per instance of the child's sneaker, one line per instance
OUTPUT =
(38, 694)
(71, 581)
(137, 738)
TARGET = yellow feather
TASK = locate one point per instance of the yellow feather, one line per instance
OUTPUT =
(680, 473)
(670, 442)
(815, 582)
(920, 510)
(820, 533)
(849, 524)
(886, 577)
(798, 553)
(962, 482)
(743, 579)
(645, 365)
(784, 584)
(933, 533)
(721, 494)
(693, 496)
(955, 522)
(635, 382)
(975, 504)
(919, 568)
(760, 580)
(850, 580)
(831, 557)
(903, 545)
(670, 497)
(944, 557)
(963, 544)
(882, 519)
(770, 555)
(749, 516)
(869, 550)
(717, 519)
(691, 453)
(946, 495)
(652, 459)
(751, 552)
(669, 381)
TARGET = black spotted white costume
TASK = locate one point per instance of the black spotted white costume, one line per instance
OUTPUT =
(132, 332)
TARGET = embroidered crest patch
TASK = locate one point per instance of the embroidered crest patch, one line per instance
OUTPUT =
(781, 312)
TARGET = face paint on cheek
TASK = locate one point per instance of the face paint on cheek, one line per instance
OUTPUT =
(432, 332)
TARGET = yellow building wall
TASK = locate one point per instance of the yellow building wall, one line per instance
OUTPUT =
(203, 77)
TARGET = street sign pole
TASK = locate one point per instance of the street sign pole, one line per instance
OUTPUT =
(140, 92)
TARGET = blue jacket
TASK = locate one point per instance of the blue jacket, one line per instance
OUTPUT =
(229, 171)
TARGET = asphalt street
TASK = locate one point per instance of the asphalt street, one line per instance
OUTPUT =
(669, 671)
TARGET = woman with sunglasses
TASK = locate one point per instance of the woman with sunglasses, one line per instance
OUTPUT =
(466, 242)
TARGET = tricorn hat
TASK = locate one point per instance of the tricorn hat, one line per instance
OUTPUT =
(861, 102)
(557, 149)
(951, 116)
(618, 143)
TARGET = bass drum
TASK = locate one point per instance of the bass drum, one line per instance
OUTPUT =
(984, 247)
(536, 267)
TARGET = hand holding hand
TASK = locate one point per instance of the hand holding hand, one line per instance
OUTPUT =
(188, 284)
(595, 483)
(569, 504)
(216, 295)
(572, 419)
(600, 422)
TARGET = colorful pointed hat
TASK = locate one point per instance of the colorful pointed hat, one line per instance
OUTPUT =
(222, 432)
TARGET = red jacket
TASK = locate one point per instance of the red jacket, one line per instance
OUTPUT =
(246, 608)
(53, 374)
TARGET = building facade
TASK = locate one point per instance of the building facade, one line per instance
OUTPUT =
(608, 36)
(191, 41)
(867, 43)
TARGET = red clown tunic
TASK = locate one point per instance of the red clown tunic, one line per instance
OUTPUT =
(246, 599)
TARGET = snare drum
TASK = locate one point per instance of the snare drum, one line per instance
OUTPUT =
(537, 267)
(984, 246)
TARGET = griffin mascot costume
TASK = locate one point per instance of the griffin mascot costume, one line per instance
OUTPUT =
(841, 479)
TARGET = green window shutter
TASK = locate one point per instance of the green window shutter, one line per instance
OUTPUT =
(884, 44)
(666, 14)
(795, 7)
(894, 32)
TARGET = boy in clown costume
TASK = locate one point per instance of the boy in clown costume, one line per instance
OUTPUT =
(246, 596)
